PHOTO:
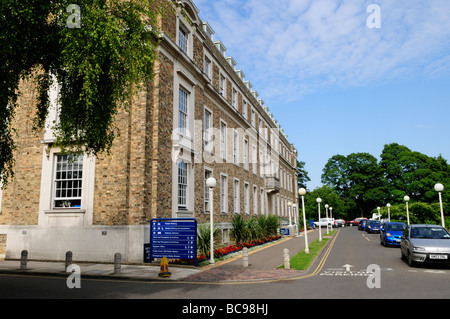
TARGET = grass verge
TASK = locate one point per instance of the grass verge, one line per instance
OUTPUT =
(302, 260)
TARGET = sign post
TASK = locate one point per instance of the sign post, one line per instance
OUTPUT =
(173, 238)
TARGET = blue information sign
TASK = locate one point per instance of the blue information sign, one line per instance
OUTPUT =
(173, 238)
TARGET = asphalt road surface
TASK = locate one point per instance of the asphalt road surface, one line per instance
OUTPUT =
(353, 266)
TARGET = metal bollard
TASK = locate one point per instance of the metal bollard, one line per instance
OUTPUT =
(245, 257)
(23, 260)
(117, 263)
(68, 259)
(287, 261)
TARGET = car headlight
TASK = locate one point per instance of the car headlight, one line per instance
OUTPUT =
(418, 248)
(388, 235)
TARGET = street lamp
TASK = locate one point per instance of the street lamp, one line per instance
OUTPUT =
(439, 188)
(379, 215)
(319, 200)
(302, 193)
(326, 212)
(389, 212)
(406, 199)
(211, 183)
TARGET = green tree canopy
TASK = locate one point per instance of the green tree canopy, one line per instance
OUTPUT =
(358, 179)
(412, 173)
(95, 50)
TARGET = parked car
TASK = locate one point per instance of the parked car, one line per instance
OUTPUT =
(425, 243)
(324, 222)
(373, 226)
(362, 224)
(391, 234)
(356, 221)
(339, 223)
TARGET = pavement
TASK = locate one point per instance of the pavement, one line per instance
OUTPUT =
(262, 265)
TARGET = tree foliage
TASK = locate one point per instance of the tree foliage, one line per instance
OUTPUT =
(302, 176)
(95, 60)
(364, 183)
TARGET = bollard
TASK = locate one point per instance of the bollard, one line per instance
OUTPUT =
(68, 259)
(23, 260)
(117, 263)
(287, 262)
(245, 257)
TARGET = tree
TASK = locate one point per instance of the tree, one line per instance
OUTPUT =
(328, 196)
(412, 173)
(358, 179)
(96, 51)
(302, 177)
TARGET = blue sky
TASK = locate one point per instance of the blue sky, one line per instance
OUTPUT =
(337, 86)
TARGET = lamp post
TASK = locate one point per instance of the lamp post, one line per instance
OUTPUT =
(389, 212)
(319, 200)
(211, 183)
(379, 215)
(326, 212)
(406, 199)
(439, 188)
(302, 193)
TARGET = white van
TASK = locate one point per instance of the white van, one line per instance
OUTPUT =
(324, 222)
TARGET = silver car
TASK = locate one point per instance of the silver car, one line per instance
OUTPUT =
(425, 243)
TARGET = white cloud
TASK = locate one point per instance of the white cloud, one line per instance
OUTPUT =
(305, 44)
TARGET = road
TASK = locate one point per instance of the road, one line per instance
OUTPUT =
(340, 272)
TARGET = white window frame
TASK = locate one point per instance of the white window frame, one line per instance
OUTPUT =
(223, 193)
(208, 130)
(235, 147)
(246, 151)
(207, 202)
(223, 140)
(254, 159)
(63, 184)
(255, 200)
(246, 198)
(183, 38)
(236, 196)
(222, 84)
(183, 109)
(182, 205)
(234, 98)
(207, 66)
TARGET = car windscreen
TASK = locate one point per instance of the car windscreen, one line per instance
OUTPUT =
(395, 227)
(429, 233)
(374, 223)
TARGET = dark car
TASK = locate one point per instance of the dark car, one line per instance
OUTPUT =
(362, 224)
(356, 221)
(373, 226)
(391, 234)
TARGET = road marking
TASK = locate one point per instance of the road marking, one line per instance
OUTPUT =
(347, 267)
(366, 237)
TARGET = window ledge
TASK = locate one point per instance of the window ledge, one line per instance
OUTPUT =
(65, 211)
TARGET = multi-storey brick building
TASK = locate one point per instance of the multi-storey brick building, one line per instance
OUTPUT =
(198, 118)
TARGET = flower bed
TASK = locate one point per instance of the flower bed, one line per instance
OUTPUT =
(220, 253)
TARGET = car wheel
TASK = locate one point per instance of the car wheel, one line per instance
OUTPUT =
(411, 262)
(403, 255)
